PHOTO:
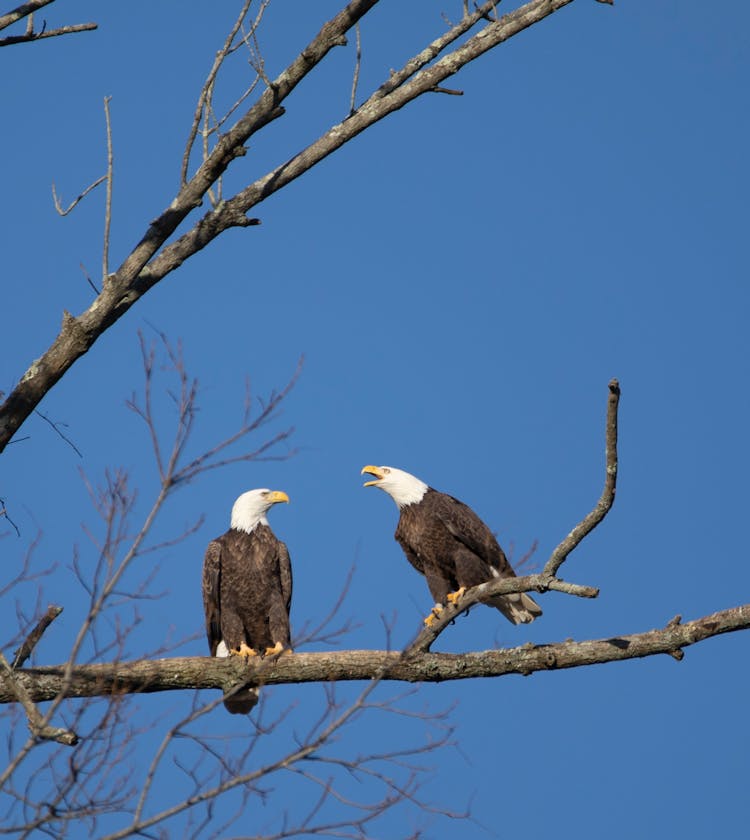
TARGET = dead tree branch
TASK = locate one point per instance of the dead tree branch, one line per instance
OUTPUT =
(607, 498)
(63, 211)
(190, 673)
(5, 515)
(22, 11)
(108, 202)
(26, 10)
(152, 258)
(37, 722)
(47, 33)
(31, 641)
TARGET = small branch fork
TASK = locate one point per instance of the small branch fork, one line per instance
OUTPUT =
(5, 515)
(38, 723)
(26, 10)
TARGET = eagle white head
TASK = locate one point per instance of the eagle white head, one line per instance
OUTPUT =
(251, 507)
(402, 487)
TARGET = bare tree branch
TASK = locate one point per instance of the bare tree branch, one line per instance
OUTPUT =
(5, 515)
(37, 723)
(27, 10)
(31, 641)
(23, 11)
(9, 40)
(485, 591)
(607, 498)
(108, 202)
(63, 211)
(147, 265)
(56, 428)
(189, 673)
(357, 66)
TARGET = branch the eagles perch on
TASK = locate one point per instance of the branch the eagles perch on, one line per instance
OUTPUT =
(415, 663)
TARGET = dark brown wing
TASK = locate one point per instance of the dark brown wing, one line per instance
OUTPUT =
(465, 526)
(285, 570)
(468, 529)
(211, 597)
(403, 540)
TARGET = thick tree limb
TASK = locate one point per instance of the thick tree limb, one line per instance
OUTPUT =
(22, 11)
(189, 673)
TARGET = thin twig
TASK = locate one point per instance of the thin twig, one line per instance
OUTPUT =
(449, 91)
(4, 513)
(88, 279)
(108, 202)
(88, 189)
(603, 506)
(31, 641)
(206, 92)
(357, 65)
(55, 427)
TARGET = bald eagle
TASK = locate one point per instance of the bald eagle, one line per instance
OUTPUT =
(449, 544)
(247, 588)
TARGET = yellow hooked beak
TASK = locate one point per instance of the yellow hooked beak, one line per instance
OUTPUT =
(370, 470)
(277, 496)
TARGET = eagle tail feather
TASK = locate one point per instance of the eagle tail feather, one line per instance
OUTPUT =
(242, 702)
(518, 608)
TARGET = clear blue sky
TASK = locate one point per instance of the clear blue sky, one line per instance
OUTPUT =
(463, 281)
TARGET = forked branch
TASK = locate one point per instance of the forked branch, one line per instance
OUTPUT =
(26, 10)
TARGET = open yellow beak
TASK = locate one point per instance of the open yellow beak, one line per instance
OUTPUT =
(370, 470)
(278, 496)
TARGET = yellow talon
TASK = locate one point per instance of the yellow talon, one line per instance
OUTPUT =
(433, 616)
(244, 651)
(454, 596)
(277, 648)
